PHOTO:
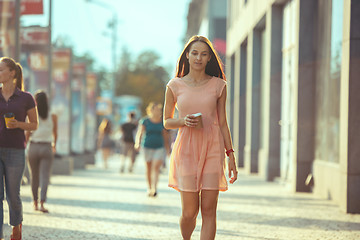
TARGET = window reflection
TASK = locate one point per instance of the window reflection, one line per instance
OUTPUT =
(328, 79)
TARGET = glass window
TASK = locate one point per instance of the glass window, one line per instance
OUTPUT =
(287, 84)
(328, 80)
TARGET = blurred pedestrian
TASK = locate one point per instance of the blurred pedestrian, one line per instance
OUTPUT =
(197, 166)
(105, 143)
(127, 141)
(42, 148)
(15, 106)
(153, 138)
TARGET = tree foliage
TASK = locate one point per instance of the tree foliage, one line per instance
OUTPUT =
(143, 77)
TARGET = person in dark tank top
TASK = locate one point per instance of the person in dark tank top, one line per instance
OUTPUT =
(127, 142)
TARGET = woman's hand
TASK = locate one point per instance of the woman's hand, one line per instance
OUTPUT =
(12, 123)
(232, 168)
(31, 123)
(190, 121)
(137, 147)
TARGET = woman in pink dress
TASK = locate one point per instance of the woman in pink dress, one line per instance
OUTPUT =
(197, 167)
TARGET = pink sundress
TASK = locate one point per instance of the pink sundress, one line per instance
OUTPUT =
(198, 156)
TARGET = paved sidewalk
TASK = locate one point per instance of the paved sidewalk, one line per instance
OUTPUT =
(103, 204)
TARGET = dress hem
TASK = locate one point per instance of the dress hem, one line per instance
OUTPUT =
(180, 190)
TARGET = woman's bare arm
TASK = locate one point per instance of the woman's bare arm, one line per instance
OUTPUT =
(169, 108)
(32, 123)
(221, 109)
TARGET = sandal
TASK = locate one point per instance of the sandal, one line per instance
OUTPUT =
(44, 210)
(12, 237)
(35, 205)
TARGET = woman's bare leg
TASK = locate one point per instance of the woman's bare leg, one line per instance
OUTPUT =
(158, 164)
(106, 154)
(122, 162)
(209, 199)
(190, 210)
(149, 175)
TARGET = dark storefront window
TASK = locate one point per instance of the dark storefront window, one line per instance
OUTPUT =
(328, 79)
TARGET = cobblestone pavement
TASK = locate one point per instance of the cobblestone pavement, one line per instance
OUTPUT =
(103, 204)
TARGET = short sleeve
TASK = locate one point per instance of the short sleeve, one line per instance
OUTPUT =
(220, 86)
(173, 87)
(54, 112)
(142, 121)
(30, 101)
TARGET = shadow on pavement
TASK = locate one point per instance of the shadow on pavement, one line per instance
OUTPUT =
(108, 205)
(265, 200)
(291, 222)
(115, 220)
(30, 232)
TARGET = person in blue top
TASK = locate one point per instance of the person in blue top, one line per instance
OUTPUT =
(153, 138)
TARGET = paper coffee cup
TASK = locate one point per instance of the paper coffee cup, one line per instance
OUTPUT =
(198, 116)
(8, 117)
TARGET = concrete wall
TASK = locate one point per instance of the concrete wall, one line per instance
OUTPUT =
(249, 16)
(350, 109)
(258, 101)
(255, 95)
(263, 87)
(353, 183)
(306, 92)
(340, 181)
(257, 49)
(269, 155)
(328, 180)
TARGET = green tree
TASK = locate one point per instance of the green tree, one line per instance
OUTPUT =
(145, 77)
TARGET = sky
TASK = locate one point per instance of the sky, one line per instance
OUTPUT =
(157, 25)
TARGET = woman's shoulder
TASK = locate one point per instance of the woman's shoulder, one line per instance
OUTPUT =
(27, 98)
(144, 120)
(175, 84)
(174, 81)
(25, 94)
(219, 80)
(219, 85)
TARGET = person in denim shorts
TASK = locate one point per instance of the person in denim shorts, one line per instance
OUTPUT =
(12, 140)
(154, 139)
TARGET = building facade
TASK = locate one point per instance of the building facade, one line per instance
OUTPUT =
(294, 107)
(208, 18)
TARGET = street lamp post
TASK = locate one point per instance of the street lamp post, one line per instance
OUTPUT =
(113, 26)
(17, 30)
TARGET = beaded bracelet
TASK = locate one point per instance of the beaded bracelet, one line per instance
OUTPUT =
(229, 151)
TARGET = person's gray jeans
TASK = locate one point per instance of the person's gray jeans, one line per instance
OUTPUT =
(12, 165)
(40, 157)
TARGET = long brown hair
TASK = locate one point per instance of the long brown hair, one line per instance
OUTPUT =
(213, 67)
(14, 66)
(105, 126)
(42, 104)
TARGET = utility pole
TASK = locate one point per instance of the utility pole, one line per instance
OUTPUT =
(17, 30)
(50, 47)
(113, 26)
